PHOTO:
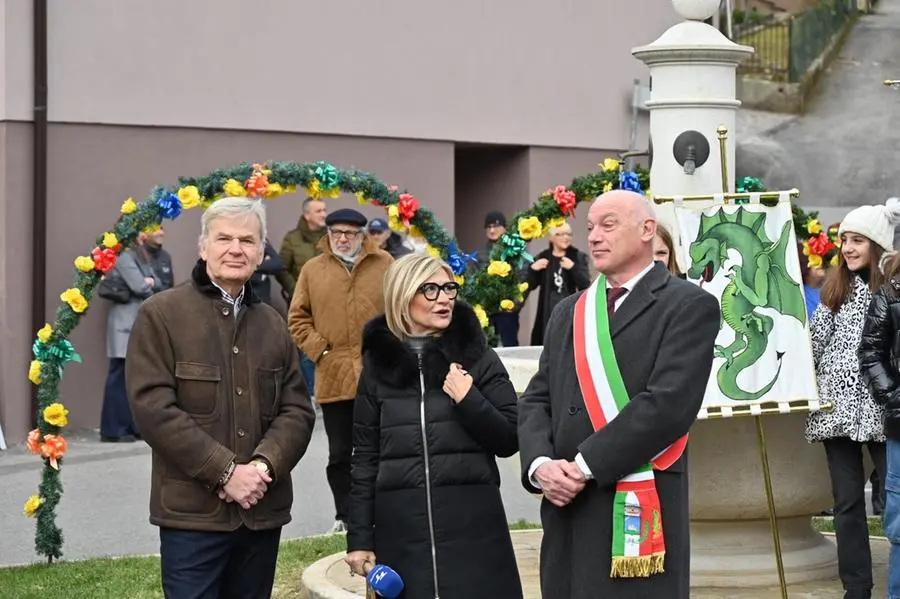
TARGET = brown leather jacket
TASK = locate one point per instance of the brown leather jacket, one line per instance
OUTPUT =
(331, 305)
(205, 388)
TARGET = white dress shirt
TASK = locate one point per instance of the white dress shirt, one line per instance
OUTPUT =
(579, 460)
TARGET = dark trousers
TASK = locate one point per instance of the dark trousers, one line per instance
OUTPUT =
(506, 324)
(218, 565)
(115, 417)
(848, 481)
(338, 417)
(877, 494)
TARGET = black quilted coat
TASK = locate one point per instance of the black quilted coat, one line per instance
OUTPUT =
(879, 354)
(466, 526)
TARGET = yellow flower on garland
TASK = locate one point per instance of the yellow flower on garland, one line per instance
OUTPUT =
(415, 232)
(56, 414)
(128, 206)
(45, 333)
(530, 227)
(460, 280)
(607, 187)
(290, 189)
(34, 372)
(507, 305)
(610, 164)
(189, 196)
(552, 224)
(806, 251)
(523, 287)
(498, 268)
(76, 301)
(835, 260)
(32, 505)
(394, 221)
(481, 315)
(814, 261)
(234, 189)
(110, 240)
(274, 190)
(152, 228)
(433, 251)
(361, 198)
(813, 226)
(314, 190)
(84, 263)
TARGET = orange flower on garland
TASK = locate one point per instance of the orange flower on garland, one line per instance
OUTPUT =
(54, 448)
(407, 207)
(258, 183)
(104, 259)
(565, 199)
(34, 441)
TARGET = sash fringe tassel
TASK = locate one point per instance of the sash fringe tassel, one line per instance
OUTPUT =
(642, 566)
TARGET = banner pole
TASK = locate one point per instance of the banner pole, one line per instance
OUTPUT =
(770, 498)
(722, 132)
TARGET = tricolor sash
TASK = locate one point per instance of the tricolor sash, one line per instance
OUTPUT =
(638, 548)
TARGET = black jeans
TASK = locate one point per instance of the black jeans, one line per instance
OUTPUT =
(848, 481)
(115, 416)
(218, 565)
(338, 417)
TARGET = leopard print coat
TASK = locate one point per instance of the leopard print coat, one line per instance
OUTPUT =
(835, 340)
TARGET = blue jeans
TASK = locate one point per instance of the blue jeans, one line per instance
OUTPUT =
(892, 516)
(309, 373)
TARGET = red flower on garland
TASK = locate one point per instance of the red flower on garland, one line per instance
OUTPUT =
(407, 207)
(258, 183)
(565, 199)
(105, 259)
(820, 245)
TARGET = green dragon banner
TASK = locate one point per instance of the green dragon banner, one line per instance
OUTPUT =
(747, 257)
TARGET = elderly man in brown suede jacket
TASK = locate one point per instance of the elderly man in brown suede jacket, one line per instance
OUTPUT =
(215, 387)
(338, 293)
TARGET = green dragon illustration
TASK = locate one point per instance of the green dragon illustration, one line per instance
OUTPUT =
(762, 281)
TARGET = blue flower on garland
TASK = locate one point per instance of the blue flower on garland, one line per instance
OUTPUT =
(328, 176)
(457, 260)
(629, 180)
(169, 205)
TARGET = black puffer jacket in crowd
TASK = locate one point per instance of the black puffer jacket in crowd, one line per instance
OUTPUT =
(389, 499)
(879, 354)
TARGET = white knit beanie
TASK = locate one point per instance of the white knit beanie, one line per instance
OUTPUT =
(875, 222)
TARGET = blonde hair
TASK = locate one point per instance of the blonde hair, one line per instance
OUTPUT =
(401, 283)
(559, 228)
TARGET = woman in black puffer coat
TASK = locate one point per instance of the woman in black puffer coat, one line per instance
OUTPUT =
(879, 352)
(425, 494)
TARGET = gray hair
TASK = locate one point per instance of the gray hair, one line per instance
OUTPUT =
(231, 207)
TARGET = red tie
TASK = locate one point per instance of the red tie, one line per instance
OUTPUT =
(613, 294)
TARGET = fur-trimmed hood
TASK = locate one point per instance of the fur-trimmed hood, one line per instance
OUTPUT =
(395, 364)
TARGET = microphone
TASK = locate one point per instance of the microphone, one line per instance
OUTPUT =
(384, 581)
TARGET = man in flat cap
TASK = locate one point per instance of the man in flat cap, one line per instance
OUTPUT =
(338, 292)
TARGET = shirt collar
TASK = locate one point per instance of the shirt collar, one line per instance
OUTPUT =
(234, 301)
(630, 284)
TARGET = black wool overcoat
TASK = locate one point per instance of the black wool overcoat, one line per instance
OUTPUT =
(663, 335)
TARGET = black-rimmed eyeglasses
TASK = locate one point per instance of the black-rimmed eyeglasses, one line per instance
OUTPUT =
(432, 290)
(338, 233)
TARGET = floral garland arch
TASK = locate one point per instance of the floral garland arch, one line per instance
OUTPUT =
(488, 288)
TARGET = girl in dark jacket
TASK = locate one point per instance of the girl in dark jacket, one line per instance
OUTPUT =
(435, 407)
(559, 271)
(879, 351)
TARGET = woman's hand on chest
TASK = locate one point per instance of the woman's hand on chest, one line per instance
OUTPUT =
(458, 383)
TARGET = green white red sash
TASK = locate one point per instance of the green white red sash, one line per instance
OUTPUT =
(638, 548)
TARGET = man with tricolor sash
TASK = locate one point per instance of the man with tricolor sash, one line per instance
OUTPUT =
(603, 425)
